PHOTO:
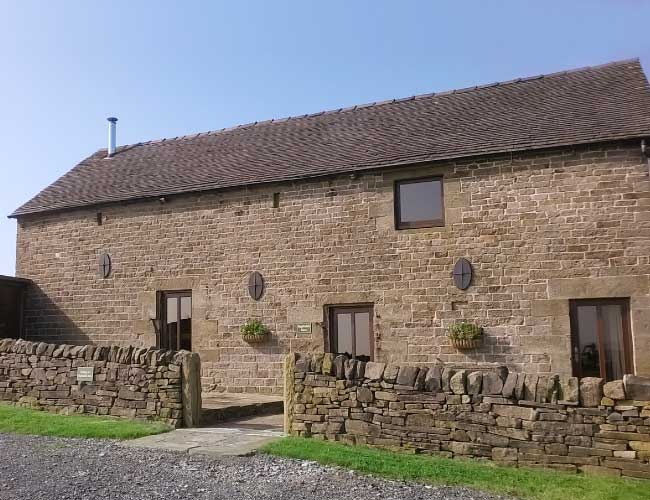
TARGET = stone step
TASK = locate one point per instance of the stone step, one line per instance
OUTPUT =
(225, 412)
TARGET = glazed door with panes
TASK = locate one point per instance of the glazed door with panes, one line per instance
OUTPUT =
(600, 335)
(176, 327)
(351, 332)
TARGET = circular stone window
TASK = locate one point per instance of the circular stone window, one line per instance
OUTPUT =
(104, 265)
(255, 285)
(463, 274)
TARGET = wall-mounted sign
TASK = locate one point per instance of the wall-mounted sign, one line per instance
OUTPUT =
(304, 327)
(85, 374)
(255, 285)
(104, 265)
(463, 274)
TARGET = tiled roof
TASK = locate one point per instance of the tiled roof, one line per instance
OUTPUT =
(572, 107)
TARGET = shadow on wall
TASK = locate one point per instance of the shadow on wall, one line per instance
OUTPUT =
(45, 321)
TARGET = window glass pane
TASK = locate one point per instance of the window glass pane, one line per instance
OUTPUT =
(613, 341)
(587, 354)
(362, 332)
(186, 307)
(172, 310)
(344, 333)
(420, 201)
(186, 323)
(169, 336)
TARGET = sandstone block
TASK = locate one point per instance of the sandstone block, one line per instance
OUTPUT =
(637, 387)
(361, 427)
(350, 368)
(328, 361)
(519, 387)
(338, 366)
(530, 387)
(374, 371)
(457, 382)
(492, 384)
(317, 363)
(390, 373)
(591, 391)
(407, 375)
(510, 385)
(569, 389)
(420, 380)
(303, 364)
(433, 379)
(364, 395)
(504, 454)
(420, 421)
(386, 396)
(361, 370)
(474, 383)
(614, 390)
(447, 373)
(514, 411)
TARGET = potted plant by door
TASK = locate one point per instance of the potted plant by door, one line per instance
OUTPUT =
(465, 335)
(254, 332)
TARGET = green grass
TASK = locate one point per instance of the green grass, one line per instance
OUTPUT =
(24, 421)
(522, 483)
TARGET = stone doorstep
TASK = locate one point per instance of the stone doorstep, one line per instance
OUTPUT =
(222, 408)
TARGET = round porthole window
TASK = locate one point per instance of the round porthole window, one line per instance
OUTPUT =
(463, 274)
(255, 285)
(104, 265)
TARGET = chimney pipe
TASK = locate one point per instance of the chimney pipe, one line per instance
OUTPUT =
(111, 136)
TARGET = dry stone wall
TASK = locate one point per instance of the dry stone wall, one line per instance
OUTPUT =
(127, 382)
(517, 419)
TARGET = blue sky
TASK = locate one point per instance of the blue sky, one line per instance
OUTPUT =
(175, 68)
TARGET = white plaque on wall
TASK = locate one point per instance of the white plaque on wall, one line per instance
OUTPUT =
(85, 374)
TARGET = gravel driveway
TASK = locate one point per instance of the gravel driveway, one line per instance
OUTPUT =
(54, 468)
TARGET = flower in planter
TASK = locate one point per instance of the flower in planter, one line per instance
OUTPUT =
(254, 330)
(465, 335)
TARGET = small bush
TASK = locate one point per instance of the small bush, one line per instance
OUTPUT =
(254, 327)
(465, 331)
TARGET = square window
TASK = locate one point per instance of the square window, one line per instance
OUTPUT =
(419, 203)
(351, 331)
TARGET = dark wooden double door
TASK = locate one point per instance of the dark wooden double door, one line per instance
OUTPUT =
(176, 324)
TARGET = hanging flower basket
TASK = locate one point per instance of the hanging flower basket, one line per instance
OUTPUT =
(465, 336)
(465, 344)
(254, 332)
(252, 338)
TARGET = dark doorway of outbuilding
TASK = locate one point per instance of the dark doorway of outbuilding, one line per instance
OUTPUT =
(176, 325)
(12, 296)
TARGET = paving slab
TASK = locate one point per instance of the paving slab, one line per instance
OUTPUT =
(235, 438)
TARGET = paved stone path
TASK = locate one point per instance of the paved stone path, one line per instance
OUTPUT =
(234, 438)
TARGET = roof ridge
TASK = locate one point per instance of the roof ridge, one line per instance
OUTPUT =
(380, 103)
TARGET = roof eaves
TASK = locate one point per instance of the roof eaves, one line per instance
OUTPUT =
(360, 168)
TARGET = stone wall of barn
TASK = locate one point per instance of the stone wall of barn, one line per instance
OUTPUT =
(540, 228)
(517, 419)
(136, 383)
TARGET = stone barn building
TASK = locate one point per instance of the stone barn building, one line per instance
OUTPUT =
(340, 231)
